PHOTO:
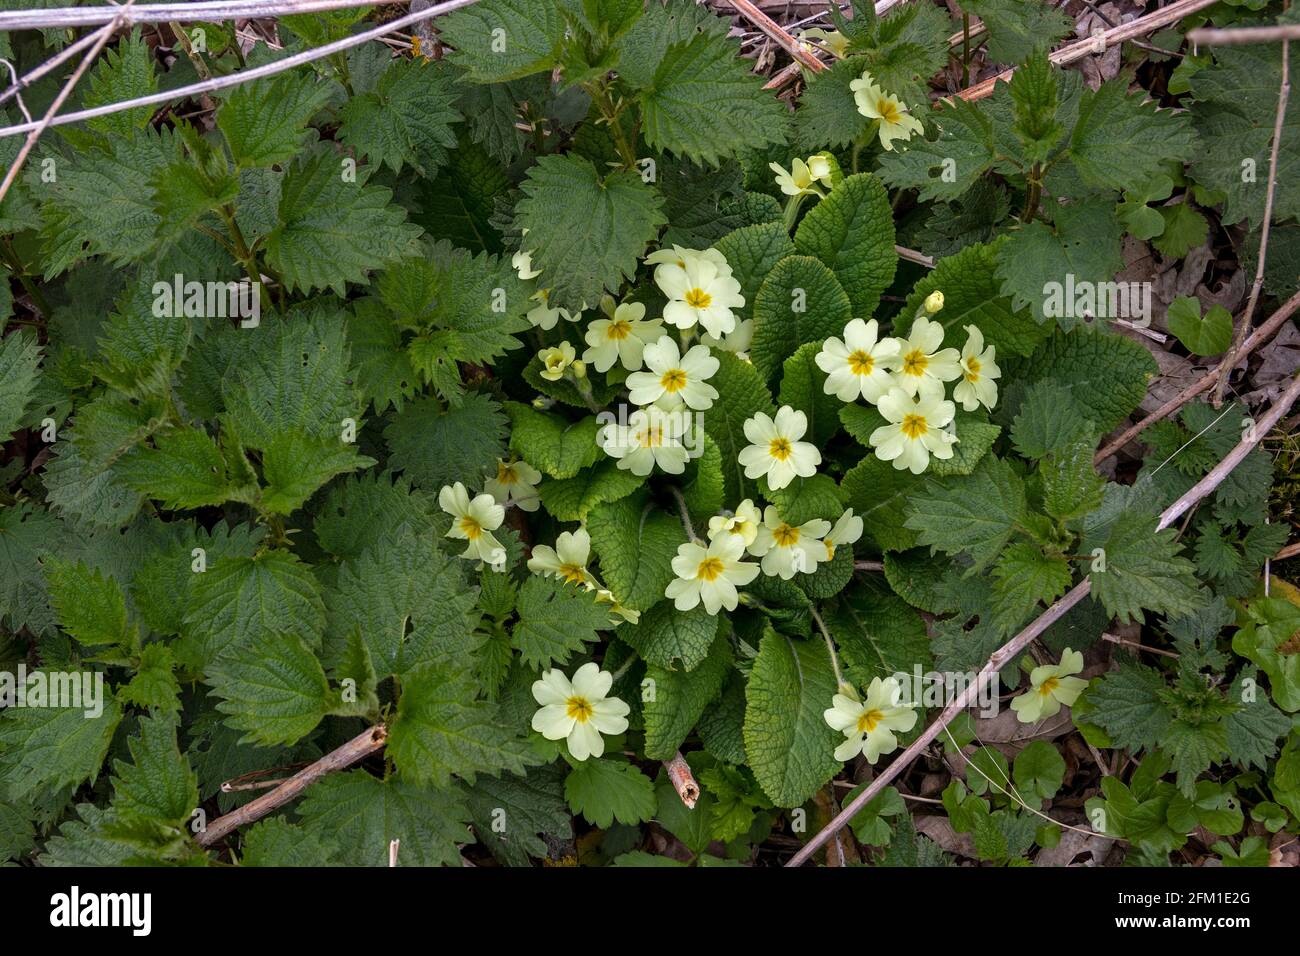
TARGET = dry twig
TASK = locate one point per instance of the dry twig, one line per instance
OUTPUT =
(354, 750)
(778, 33)
(213, 11)
(1283, 94)
(38, 127)
(1091, 45)
(243, 76)
(1257, 338)
(683, 781)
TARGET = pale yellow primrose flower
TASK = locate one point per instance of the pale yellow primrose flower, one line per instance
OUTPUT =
(787, 549)
(743, 523)
(678, 257)
(567, 560)
(699, 292)
(622, 338)
(738, 340)
(579, 711)
(651, 437)
(847, 530)
(674, 378)
(775, 449)
(934, 302)
(1050, 686)
(522, 263)
(473, 521)
(915, 430)
(978, 371)
(860, 364)
(868, 726)
(833, 41)
(543, 316)
(515, 481)
(606, 596)
(920, 358)
(799, 180)
(555, 360)
(819, 167)
(710, 575)
(874, 103)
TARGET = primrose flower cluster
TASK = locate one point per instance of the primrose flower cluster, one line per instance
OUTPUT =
(710, 573)
(667, 378)
(905, 379)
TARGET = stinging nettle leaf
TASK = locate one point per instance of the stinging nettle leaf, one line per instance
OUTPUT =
(586, 231)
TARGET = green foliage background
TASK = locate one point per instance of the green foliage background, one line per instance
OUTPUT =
(197, 532)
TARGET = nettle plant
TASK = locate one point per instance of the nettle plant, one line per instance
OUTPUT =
(560, 405)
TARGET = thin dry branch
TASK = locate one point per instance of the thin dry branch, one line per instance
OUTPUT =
(244, 76)
(354, 750)
(1007, 652)
(214, 11)
(37, 128)
(1097, 44)
(778, 33)
(1283, 94)
(911, 255)
(1257, 338)
(52, 63)
(683, 781)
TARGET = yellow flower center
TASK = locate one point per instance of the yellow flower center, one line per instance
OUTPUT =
(579, 708)
(555, 362)
(673, 380)
(506, 474)
(860, 363)
(973, 369)
(651, 437)
(618, 330)
(915, 362)
(779, 448)
(471, 528)
(573, 573)
(1049, 685)
(869, 720)
(698, 299)
(710, 569)
(830, 549)
(786, 536)
(887, 107)
(914, 426)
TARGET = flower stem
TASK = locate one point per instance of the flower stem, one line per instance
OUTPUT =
(792, 206)
(685, 513)
(183, 39)
(830, 646)
(610, 114)
(1035, 187)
